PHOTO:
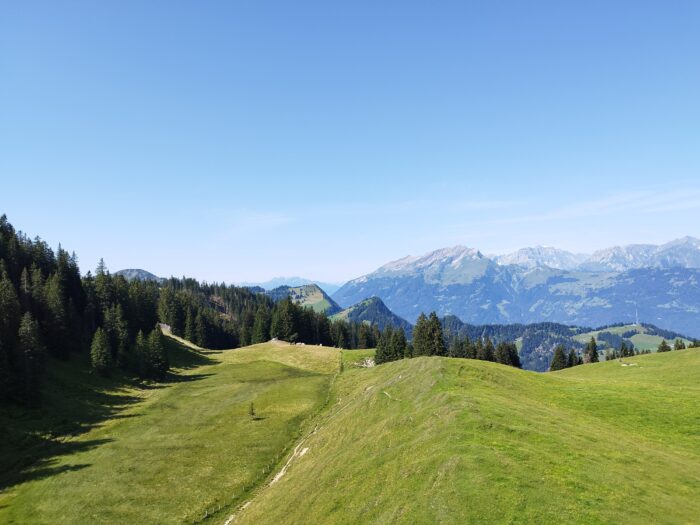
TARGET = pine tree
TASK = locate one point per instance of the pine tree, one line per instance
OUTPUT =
(664, 347)
(398, 344)
(559, 361)
(502, 354)
(261, 326)
(156, 358)
(200, 331)
(436, 337)
(591, 354)
(384, 352)
(140, 358)
(514, 355)
(421, 337)
(679, 344)
(572, 359)
(364, 336)
(32, 353)
(100, 353)
(486, 351)
(189, 326)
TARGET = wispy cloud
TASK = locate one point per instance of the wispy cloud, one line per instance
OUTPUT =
(639, 202)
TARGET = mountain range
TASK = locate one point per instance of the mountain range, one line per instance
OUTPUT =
(658, 284)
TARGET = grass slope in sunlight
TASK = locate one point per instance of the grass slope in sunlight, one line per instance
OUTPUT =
(168, 453)
(435, 440)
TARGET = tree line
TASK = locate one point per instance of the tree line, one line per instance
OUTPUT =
(47, 309)
(429, 339)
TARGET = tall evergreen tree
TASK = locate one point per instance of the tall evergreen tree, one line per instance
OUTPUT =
(591, 354)
(100, 353)
(436, 337)
(261, 325)
(32, 353)
(502, 354)
(572, 359)
(156, 357)
(664, 347)
(398, 344)
(421, 337)
(486, 351)
(679, 344)
(559, 361)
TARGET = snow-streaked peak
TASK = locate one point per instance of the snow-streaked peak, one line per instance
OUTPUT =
(536, 256)
(683, 252)
(453, 256)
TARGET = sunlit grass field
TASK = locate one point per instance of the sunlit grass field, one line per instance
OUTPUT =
(435, 440)
(166, 453)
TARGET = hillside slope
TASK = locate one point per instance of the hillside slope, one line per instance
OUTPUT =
(310, 295)
(374, 312)
(105, 451)
(434, 440)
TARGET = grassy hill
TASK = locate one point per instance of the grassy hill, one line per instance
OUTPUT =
(121, 452)
(375, 312)
(310, 295)
(425, 440)
(642, 336)
(434, 440)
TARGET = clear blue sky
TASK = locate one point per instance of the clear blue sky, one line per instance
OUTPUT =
(241, 140)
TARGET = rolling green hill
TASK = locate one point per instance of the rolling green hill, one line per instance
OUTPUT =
(310, 295)
(107, 451)
(642, 336)
(373, 311)
(434, 440)
(424, 440)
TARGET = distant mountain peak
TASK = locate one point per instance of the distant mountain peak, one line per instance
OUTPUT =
(276, 282)
(453, 256)
(536, 256)
(140, 275)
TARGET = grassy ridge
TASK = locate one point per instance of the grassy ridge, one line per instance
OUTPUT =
(433, 440)
(173, 452)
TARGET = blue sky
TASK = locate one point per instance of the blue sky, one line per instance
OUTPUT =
(242, 140)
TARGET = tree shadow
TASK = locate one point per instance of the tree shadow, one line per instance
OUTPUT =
(184, 358)
(44, 463)
(74, 401)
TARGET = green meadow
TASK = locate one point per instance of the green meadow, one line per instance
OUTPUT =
(425, 440)
(174, 452)
(436, 440)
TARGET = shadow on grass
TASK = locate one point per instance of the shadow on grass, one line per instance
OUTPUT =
(185, 358)
(74, 401)
(45, 466)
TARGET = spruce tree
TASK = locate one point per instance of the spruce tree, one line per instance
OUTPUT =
(679, 345)
(157, 356)
(514, 355)
(559, 361)
(436, 337)
(189, 326)
(502, 354)
(32, 353)
(591, 354)
(140, 358)
(572, 359)
(100, 353)
(383, 352)
(261, 326)
(664, 346)
(486, 351)
(398, 344)
(421, 337)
